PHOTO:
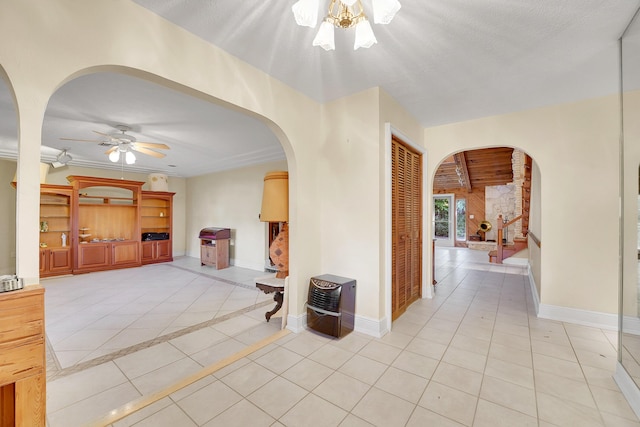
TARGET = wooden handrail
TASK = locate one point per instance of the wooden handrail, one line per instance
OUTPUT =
(502, 224)
(534, 238)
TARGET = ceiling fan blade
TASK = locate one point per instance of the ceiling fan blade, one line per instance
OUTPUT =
(111, 150)
(80, 140)
(103, 134)
(156, 145)
(148, 152)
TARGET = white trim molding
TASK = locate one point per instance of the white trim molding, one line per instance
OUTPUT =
(534, 290)
(372, 327)
(297, 323)
(628, 388)
(593, 319)
(631, 325)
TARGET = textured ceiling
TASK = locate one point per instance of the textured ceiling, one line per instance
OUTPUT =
(442, 60)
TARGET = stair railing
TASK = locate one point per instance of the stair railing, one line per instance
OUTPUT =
(501, 225)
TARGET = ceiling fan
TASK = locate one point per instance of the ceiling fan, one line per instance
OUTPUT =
(124, 143)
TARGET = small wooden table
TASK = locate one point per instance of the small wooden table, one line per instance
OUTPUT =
(270, 284)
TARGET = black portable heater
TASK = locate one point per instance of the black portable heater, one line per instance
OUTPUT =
(331, 304)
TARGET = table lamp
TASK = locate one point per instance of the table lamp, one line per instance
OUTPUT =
(275, 208)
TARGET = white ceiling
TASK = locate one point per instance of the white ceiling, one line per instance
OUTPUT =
(442, 60)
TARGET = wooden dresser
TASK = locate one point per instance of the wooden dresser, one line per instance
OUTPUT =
(22, 358)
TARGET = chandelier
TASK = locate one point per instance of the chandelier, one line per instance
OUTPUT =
(344, 14)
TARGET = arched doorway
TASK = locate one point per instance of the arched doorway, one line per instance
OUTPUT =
(480, 194)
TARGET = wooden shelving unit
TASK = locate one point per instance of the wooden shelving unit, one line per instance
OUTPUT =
(156, 216)
(110, 209)
(55, 230)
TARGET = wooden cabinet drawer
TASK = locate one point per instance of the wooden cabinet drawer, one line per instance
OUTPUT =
(21, 361)
(22, 315)
(21, 334)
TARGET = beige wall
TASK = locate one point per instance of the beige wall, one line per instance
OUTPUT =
(231, 199)
(7, 218)
(576, 148)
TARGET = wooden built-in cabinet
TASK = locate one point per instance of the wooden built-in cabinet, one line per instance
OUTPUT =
(97, 224)
(107, 214)
(22, 358)
(156, 216)
(55, 229)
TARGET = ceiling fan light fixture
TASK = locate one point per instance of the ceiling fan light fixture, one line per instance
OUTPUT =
(129, 158)
(114, 156)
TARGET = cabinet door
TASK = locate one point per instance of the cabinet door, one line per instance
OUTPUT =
(44, 261)
(126, 253)
(163, 249)
(207, 254)
(148, 251)
(93, 255)
(59, 260)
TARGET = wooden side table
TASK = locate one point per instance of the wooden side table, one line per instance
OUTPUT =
(271, 284)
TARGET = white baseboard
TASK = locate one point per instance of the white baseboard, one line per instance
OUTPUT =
(631, 325)
(372, 327)
(593, 319)
(628, 388)
(297, 323)
(534, 290)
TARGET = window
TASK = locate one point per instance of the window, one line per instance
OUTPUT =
(441, 213)
(461, 220)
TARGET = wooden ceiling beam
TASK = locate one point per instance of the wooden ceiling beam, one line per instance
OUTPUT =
(461, 162)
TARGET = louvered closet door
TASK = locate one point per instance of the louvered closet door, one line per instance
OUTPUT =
(406, 227)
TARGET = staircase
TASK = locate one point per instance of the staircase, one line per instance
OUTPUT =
(519, 243)
(504, 251)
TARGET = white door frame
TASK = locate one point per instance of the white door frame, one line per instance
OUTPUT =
(451, 241)
(385, 324)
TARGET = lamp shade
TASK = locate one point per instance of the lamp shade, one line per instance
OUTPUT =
(129, 158)
(114, 156)
(364, 35)
(306, 12)
(384, 10)
(275, 197)
(325, 38)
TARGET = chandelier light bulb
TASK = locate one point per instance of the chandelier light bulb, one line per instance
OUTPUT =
(306, 12)
(364, 35)
(114, 156)
(129, 158)
(324, 38)
(384, 10)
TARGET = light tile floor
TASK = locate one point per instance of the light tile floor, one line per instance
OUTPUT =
(90, 316)
(474, 355)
